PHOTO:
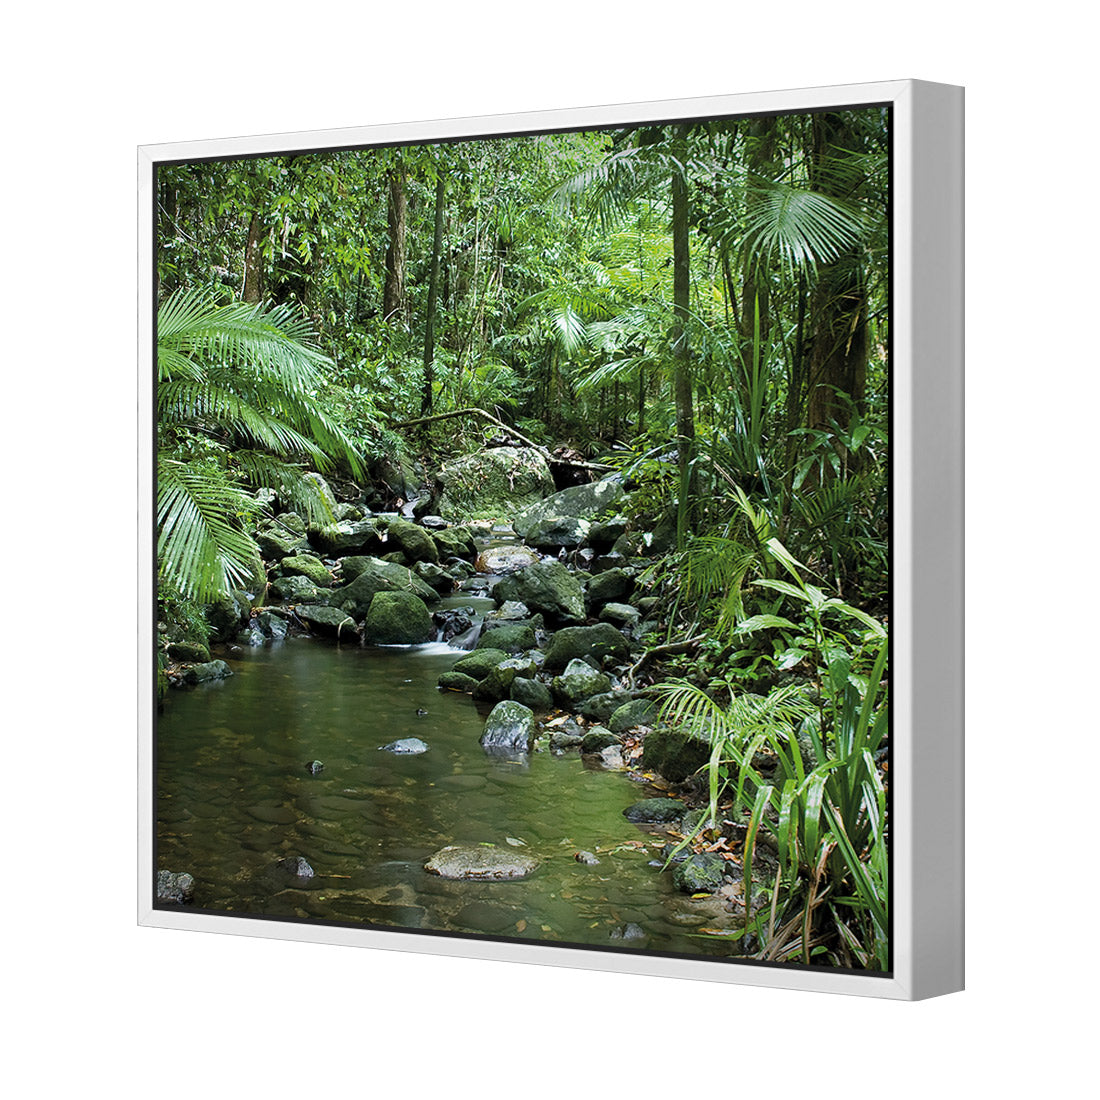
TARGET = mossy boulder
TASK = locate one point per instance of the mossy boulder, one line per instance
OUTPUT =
(398, 618)
(601, 641)
(577, 682)
(227, 614)
(189, 651)
(276, 545)
(531, 693)
(493, 484)
(377, 576)
(206, 672)
(600, 707)
(599, 738)
(510, 727)
(413, 541)
(323, 491)
(498, 682)
(511, 637)
(457, 542)
(351, 537)
(700, 873)
(480, 662)
(638, 712)
(611, 584)
(296, 589)
(673, 753)
(548, 587)
(309, 566)
(328, 621)
(457, 681)
(578, 502)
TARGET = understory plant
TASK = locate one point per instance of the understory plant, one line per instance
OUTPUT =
(800, 766)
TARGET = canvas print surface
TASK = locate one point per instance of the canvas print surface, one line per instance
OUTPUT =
(523, 538)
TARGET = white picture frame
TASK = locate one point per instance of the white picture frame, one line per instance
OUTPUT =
(927, 540)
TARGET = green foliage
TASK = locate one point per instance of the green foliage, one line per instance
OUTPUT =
(822, 801)
(236, 406)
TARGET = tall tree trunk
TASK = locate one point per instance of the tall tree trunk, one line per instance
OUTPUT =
(681, 310)
(393, 293)
(433, 290)
(253, 261)
(836, 356)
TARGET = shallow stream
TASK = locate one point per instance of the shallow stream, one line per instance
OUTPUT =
(234, 797)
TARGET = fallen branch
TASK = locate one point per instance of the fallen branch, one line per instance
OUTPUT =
(662, 651)
(468, 412)
(505, 428)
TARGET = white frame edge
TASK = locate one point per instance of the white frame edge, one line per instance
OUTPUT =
(927, 544)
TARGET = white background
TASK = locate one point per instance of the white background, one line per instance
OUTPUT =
(97, 1003)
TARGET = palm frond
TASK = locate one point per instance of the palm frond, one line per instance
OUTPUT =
(200, 546)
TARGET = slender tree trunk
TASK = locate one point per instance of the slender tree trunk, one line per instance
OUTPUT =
(433, 290)
(253, 261)
(681, 310)
(836, 356)
(393, 292)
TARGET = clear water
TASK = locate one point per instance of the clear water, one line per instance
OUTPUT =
(234, 797)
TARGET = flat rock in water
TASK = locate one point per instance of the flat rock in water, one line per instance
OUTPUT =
(407, 746)
(480, 862)
(501, 560)
(175, 886)
(655, 811)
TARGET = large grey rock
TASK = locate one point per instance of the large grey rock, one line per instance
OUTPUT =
(510, 726)
(577, 682)
(379, 576)
(398, 618)
(547, 587)
(620, 615)
(494, 484)
(578, 502)
(480, 861)
(599, 641)
(554, 532)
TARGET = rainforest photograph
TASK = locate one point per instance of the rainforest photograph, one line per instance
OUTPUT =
(522, 538)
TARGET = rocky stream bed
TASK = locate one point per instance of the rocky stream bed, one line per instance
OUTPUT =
(430, 720)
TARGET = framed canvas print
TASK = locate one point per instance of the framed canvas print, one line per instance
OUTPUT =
(551, 529)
